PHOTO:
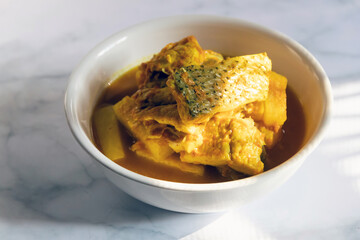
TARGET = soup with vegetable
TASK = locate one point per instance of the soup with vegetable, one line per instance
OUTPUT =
(192, 115)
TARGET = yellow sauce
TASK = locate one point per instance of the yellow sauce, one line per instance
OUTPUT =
(291, 142)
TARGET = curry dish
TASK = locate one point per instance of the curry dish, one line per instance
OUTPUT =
(193, 115)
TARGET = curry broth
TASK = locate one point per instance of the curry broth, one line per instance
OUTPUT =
(290, 143)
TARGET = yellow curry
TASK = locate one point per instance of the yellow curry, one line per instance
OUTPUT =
(195, 112)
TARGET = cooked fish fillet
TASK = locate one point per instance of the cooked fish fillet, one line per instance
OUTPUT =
(202, 91)
(246, 147)
(212, 57)
(183, 137)
(168, 114)
(173, 56)
(215, 149)
(150, 97)
(234, 142)
(150, 133)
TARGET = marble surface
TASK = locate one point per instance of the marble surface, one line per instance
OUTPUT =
(51, 189)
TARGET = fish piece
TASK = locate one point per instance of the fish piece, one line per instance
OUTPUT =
(271, 135)
(181, 137)
(150, 133)
(232, 142)
(168, 114)
(202, 91)
(215, 149)
(152, 127)
(125, 111)
(150, 97)
(173, 56)
(246, 147)
(188, 143)
(212, 57)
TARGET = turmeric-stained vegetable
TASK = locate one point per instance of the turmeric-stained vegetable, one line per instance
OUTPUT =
(170, 161)
(108, 132)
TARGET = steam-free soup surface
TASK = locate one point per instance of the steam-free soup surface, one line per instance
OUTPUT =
(290, 143)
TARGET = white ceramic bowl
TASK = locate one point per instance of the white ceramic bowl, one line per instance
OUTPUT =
(224, 35)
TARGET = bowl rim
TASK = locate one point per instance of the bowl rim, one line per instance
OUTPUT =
(88, 146)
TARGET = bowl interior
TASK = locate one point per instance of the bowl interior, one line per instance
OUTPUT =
(223, 35)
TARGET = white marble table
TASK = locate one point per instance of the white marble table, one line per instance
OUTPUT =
(51, 189)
